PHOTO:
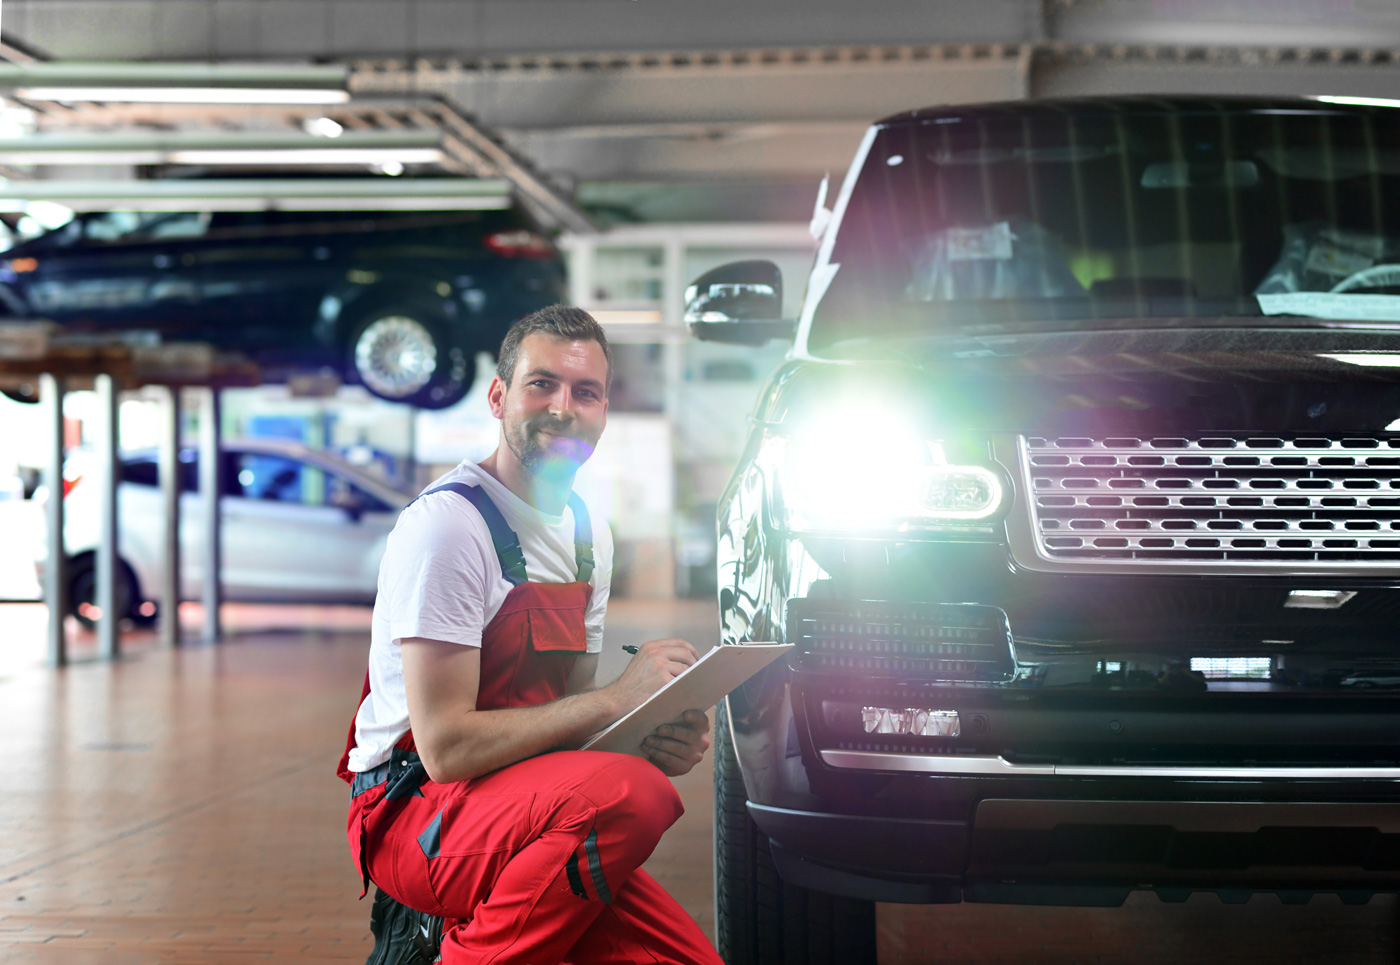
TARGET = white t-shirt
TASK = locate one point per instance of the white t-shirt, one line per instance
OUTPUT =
(441, 579)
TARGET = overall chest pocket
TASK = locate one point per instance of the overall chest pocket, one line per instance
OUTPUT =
(554, 638)
(556, 629)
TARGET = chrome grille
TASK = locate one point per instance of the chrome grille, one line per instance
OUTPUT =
(1215, 498)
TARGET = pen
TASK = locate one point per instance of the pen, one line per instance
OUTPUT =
(630, 649)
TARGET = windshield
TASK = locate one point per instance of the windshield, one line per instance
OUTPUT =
(1015, 219)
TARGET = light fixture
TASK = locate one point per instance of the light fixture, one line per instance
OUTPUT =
(322, 127)
(356, 148)
(179, 95)
(96, 82)
(253, 194)
(383, 157)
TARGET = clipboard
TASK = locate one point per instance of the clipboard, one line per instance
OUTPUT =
(698, 687)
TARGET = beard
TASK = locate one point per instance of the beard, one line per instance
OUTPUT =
(560, 452)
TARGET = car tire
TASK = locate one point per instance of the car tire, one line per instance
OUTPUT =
(25, 391)
(401, 353)
(759, 918)
(82, 591)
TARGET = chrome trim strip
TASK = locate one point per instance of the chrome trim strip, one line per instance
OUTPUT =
(1028, 554)
(931, 763)
(998, 766)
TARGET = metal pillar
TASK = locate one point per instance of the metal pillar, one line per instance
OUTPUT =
(170, 496)
(108, 635)
(209, 458)
(56, 569)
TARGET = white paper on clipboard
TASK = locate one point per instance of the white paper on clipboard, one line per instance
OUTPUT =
(698, 687)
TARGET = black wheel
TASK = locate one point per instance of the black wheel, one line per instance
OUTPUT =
(82, 592)
(401, 353)
(759, 918)
(26, 391)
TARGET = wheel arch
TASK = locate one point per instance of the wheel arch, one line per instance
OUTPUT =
(345, 307)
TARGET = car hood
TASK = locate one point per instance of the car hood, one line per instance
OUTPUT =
(1305, 378)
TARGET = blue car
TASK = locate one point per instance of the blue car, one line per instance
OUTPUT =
(398, 301)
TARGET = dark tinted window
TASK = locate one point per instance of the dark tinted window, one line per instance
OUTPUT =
(1000, 218)
(279, 479)
(116, 227)
(145, 471)
(142, 472)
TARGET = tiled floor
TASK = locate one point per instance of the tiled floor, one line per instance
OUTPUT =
(182, 807)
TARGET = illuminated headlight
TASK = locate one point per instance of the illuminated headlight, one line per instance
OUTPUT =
(857, 475)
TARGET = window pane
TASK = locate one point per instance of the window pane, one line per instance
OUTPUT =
(279, 479)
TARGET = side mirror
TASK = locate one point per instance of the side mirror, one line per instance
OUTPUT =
(740, 303)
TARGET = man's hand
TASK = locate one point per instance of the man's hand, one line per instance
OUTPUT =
(680, 745)
(656, 662)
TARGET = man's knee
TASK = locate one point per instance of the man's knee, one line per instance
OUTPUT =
(644, 801)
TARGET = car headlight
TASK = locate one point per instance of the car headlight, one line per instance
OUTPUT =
(859, 474)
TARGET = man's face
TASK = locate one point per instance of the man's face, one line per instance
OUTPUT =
(556, 406)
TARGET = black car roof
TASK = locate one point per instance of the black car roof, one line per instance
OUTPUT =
(1090, 106)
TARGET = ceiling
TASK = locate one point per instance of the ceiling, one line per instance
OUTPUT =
(657, 110)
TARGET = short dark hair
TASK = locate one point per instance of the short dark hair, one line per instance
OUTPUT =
(556, 321)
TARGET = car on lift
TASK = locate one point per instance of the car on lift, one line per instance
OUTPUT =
(299, 525)
(398, 301)
(1079, 496)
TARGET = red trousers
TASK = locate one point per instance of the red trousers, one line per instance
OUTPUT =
(537, 863)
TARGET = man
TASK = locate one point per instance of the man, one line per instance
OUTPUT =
(467, 802)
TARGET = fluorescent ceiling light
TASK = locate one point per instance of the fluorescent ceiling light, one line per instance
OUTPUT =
(355, 157)
(175, 83)
(252, 194)
(181, 95)
(327, 155)
(224, 147)
(1384, 360)
(278, 204)
(322, 127)
(1360, 101)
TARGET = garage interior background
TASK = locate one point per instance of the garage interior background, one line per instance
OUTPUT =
(659, 137)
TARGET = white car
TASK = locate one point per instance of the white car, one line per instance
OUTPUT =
(299, 525)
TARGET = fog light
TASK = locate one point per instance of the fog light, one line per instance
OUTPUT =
(910, 720)
(1318, 599)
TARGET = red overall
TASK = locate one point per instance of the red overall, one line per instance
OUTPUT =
(539, 861)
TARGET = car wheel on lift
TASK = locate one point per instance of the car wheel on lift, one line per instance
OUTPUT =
(401, 354)
(82, 593)
(759, 918)
(23, 390)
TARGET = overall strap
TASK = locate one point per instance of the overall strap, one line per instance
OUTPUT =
(503, 538)
(583, 538)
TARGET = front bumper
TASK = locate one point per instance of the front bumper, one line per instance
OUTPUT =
(1093, 852)
(1049, 795)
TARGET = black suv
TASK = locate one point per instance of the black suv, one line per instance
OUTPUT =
(1079, 494)
(399, 301)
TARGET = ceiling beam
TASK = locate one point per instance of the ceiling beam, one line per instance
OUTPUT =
(475, 149)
